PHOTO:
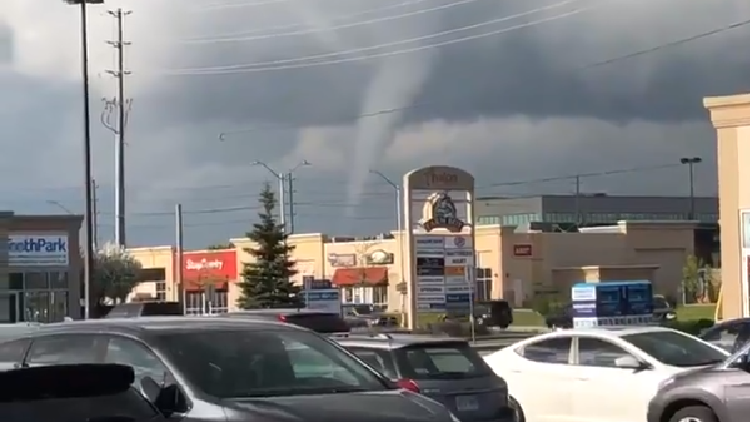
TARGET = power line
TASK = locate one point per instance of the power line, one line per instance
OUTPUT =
(286, 64)
(211, 40)
(345, 17)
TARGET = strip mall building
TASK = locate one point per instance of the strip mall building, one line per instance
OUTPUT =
(41, 266)
(510, 265)
(730, 116)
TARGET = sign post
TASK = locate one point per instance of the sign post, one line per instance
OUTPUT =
(442, 248)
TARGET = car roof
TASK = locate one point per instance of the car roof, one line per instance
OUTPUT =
(609, 332)
(392, 340)
(148, 325)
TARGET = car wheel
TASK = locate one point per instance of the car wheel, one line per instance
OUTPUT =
(504, 325)
(518, 415)
(694, 414)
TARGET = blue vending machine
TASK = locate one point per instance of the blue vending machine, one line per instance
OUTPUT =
(612, 303)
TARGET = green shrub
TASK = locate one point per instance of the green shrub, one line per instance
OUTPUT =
(694, 327)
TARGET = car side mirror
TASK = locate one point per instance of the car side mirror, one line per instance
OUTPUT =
(170, 400)
(629, 362)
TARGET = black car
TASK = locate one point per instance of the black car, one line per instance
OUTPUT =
(320, 322)
(88, 392)
(493, 313)
(230, 370)
(447, 370)
(561, 317)
(730, 335)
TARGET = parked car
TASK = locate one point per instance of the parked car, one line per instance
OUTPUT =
(561, 317)
(444, 369)
(663, 311)
(98, 392)
(232, 370)
(145, 309)
(493, 313)
(717, 393)
(320, 322)
(597, 374)
(730, 335)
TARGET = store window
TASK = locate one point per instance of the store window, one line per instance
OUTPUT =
(35, 296)
(161, 291)
(484, 284)
(380, 295)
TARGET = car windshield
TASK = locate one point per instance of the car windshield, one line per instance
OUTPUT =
(441, 361)
(241, 363)
(676, 349)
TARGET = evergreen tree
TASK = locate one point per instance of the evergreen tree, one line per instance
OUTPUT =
(267, 281)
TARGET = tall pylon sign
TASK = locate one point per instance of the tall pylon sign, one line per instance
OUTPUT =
(440, 242)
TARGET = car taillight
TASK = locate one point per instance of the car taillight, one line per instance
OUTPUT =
(408, 384)
(282, 318)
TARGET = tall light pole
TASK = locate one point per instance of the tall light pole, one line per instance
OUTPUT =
(88, 254)
(399, 226)
(281, 177)
(691, 161)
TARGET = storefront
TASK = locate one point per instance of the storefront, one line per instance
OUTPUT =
(208, 276)
(43, 276)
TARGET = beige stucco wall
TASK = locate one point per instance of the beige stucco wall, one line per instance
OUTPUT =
(156, 257)
(645, 250)
(730, 116)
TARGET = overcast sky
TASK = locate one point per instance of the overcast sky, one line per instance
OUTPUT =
(510, 90)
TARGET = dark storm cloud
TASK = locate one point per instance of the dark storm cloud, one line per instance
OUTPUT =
(524, 71)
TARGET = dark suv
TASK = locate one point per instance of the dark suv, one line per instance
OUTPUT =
(444, 369)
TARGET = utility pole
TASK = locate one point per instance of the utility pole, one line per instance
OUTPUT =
(94, 215)
(691, 161)
(120, 108)
(179, 265)
(579, 219)
(290, 179)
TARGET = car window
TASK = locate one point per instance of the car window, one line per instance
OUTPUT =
(725, 336)
(144, 362)
(65, 348)
(378, 359)
(241, 362)
(441, 361)
(597, 352)
(676, 349)
(13, 351)
(552, 350)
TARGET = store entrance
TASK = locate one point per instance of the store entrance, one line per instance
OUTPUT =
(9, 308)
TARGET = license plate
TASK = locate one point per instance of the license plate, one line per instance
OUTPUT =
(467, 403)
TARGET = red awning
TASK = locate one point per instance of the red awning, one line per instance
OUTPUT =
(360, 275)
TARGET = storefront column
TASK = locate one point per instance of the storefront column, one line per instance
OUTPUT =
(730, 116)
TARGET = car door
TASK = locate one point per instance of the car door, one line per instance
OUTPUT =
(541, 382)
(602, 392)
(65, 348)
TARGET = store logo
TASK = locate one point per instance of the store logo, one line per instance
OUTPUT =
(38, 245)
(459, 241)
(440, 213)
(204, 264)
(380, 257)
(342, 259)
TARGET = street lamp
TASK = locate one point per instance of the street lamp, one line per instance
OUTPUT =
(691, 161)
(88, 254)
(282, 186)
(399, 226)
(61, 206)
